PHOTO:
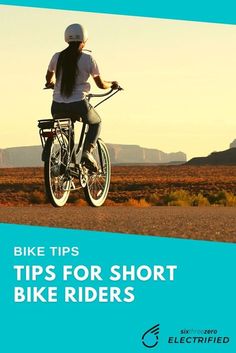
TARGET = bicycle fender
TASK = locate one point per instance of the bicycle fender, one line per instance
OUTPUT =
(45, 150)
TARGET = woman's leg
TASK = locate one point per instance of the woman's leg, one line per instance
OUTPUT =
(90, 117)
(82, 110)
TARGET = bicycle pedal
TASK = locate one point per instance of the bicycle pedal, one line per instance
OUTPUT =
(88, 165)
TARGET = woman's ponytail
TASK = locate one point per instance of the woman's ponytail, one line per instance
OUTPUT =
(68, 68)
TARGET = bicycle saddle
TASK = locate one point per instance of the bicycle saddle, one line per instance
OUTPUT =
(72, 116)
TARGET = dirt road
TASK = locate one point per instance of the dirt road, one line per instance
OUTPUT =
(208, 223)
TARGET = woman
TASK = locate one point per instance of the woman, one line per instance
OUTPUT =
(72, 68)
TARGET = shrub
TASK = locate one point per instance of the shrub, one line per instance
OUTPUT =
(137, 203)
(156, 200)
(200, 200)
(80, 202)
(110, 202)
(219, 198)
(180, 198)
(37, 197)
(230, 199)
(74, 197)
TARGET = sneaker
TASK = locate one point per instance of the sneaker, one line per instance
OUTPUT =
(89, 161)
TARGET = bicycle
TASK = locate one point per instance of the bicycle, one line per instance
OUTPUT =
(62, 160)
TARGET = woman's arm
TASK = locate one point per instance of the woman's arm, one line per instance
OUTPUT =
(49, 76)
(105, 84)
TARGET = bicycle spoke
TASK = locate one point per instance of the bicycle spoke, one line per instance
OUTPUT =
(98, 183)
(57, 182)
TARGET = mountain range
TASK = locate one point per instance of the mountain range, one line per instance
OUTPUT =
(227, 157)
(30, 156)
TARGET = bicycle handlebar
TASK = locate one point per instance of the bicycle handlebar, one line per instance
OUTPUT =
(108, 95)
(92, 95)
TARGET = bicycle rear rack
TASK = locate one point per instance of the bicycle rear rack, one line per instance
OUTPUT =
(53, 127)
(63, 130)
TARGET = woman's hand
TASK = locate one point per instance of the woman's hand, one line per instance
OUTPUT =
(115, 85)
(49, 85)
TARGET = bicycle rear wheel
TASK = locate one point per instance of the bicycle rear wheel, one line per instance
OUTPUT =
(57, 182)
(98, 183)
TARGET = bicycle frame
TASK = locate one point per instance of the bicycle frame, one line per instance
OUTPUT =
(57, 127)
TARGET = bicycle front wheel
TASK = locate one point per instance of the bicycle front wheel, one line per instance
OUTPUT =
(57, 182)
(98, 183)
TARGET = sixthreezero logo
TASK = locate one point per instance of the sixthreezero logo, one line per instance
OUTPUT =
(150, 337)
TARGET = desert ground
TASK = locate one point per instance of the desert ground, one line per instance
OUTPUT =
(205, 196)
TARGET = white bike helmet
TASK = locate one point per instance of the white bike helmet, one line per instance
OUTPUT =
(76, 33)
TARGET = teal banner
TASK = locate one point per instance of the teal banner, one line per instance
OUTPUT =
(80, 291)
(205, 11)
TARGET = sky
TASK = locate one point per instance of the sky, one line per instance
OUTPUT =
(179, 78)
